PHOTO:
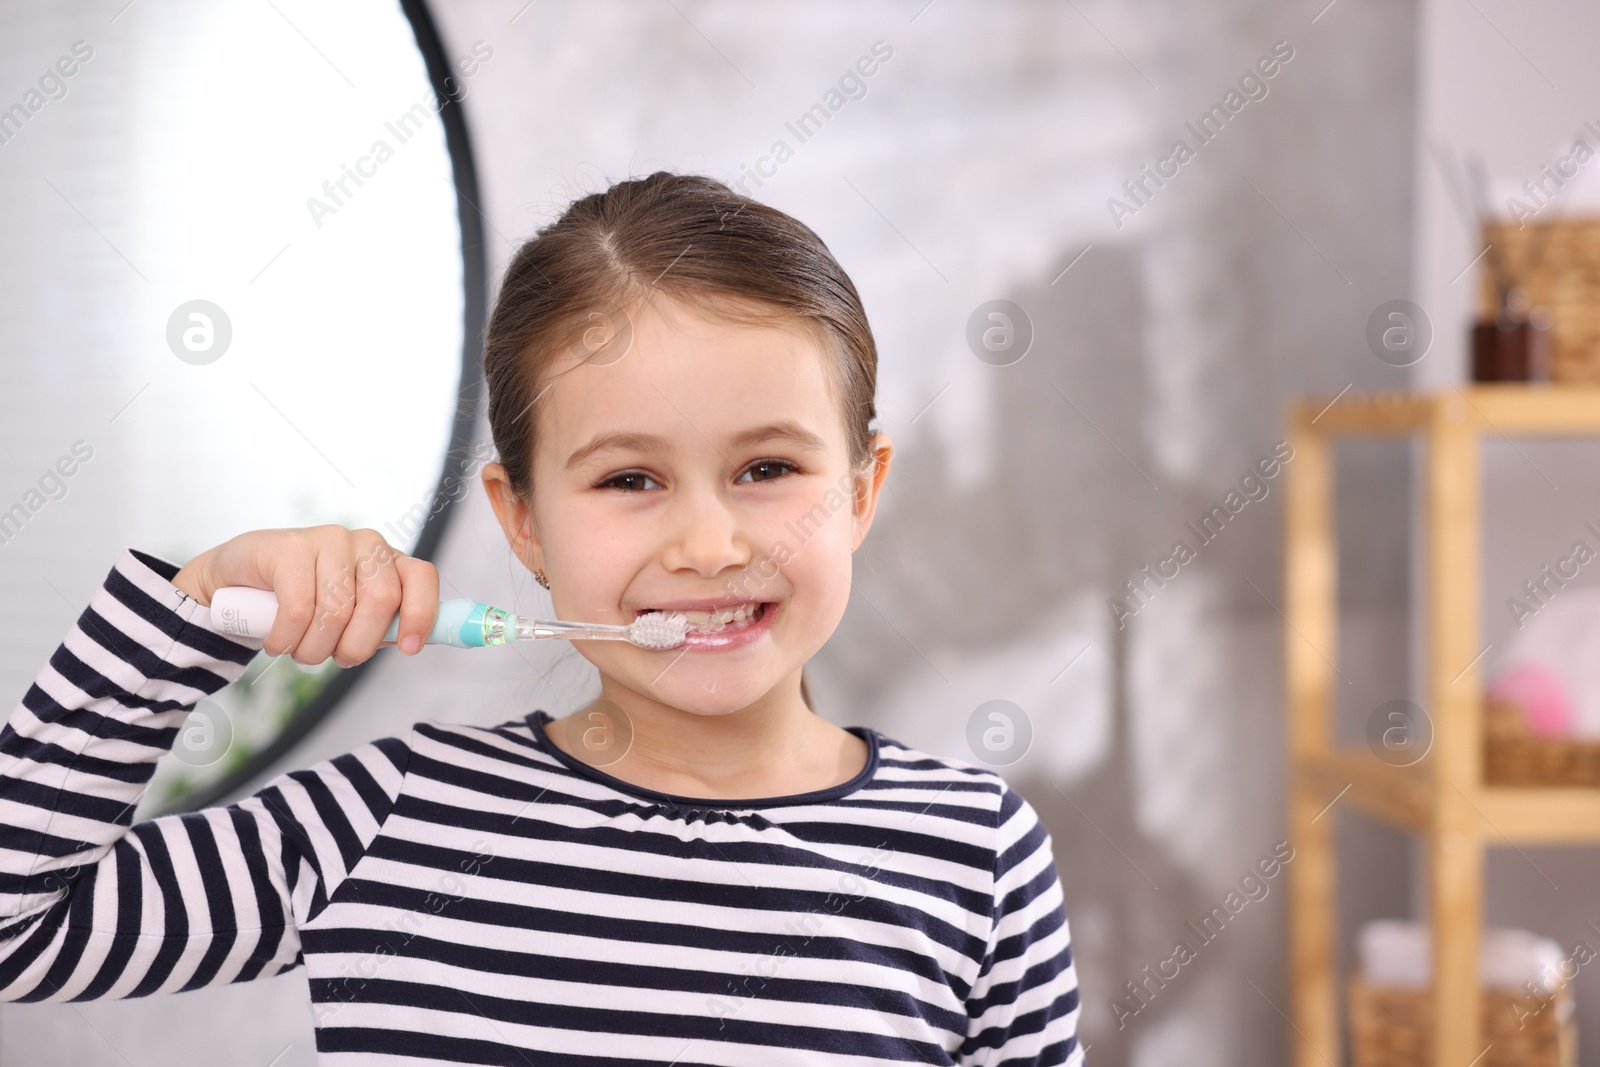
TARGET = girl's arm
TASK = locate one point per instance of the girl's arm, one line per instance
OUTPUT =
(1024, 1007)
(91, 908)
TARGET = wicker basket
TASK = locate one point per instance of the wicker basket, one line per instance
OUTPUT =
(1514, 757)
(1392, 1027)
(1558, 263)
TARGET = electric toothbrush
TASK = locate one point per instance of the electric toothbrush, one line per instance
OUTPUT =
(248, 612)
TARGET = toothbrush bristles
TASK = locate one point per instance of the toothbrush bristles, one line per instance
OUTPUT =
(659, 630)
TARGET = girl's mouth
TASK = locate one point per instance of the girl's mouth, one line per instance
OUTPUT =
(726, 627)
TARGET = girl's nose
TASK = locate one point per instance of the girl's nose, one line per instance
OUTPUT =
(704, 535)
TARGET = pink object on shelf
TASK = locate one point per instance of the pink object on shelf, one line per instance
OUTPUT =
(1537, 690)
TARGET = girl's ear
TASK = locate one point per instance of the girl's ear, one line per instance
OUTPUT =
(515, 515)
(868, 486)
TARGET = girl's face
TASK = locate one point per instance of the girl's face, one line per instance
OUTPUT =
(707, 467)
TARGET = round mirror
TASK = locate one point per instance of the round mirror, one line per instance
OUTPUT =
(244, 289)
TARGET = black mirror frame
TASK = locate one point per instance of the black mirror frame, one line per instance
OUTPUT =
(470, 400)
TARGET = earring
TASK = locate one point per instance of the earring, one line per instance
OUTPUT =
(538, 576)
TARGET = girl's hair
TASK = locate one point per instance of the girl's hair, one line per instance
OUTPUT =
(696, 240)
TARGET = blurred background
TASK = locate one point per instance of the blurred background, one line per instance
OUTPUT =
(1088, 340)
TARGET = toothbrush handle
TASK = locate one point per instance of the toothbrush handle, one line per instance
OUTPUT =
(246, 612)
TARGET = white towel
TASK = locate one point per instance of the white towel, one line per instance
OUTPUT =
(1397, 952)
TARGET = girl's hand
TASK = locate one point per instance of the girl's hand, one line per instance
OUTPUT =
(337, 589)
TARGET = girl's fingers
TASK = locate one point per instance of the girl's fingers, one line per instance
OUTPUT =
(338, 590)
(419, 604)
(377, 598)
(335, 595)
(292, 579)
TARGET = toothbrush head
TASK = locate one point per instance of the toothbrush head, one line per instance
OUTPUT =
(659, 629)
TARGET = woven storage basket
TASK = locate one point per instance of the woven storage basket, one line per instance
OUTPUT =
(1392, 1027)
(1563, 274)
(1512, 756)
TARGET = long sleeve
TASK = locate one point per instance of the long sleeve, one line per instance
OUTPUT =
(1024, 1007)
(92, 907)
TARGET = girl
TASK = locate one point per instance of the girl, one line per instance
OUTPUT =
(695, 868)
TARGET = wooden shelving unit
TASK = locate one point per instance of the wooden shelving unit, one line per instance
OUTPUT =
(1441, 797)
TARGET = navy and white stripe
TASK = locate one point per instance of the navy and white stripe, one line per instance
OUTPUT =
(468, 894)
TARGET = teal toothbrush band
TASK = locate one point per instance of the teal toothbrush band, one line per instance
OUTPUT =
(470, 629)
(459, 623)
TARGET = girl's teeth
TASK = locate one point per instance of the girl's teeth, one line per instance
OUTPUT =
(716, 620)
(721, 617)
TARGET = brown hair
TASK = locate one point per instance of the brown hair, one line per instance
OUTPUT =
(698, 241)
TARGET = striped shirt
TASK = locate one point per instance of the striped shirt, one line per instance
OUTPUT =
(473, 894)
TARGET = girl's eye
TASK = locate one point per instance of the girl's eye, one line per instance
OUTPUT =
(770, 465)
(633, 476)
